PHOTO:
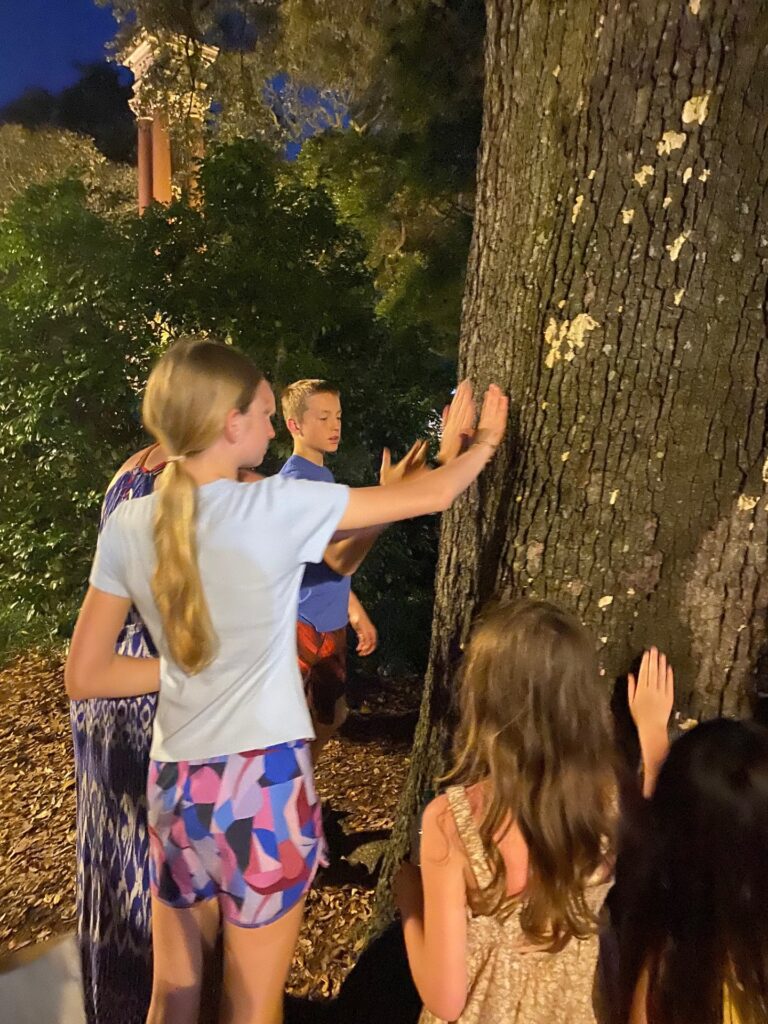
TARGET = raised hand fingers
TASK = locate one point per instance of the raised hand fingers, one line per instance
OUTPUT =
(631, 688)
(645, 669)
(411, 453)
(461, 408)
(420, 457)
(416, 455)
(655, 679)
(493, 418)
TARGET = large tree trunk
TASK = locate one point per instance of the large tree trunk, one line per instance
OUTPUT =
(617, 287)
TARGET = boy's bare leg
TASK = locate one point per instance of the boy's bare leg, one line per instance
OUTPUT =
(325, 731)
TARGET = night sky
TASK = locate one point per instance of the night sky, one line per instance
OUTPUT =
(41, 41)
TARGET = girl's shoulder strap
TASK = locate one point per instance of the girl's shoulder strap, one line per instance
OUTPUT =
(469, 834)
(145, 454)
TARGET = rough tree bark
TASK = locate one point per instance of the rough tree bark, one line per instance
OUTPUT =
(617, 287)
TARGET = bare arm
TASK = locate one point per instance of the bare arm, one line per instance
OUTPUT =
(346, 556)
(650, 698)
(359, 620)
(93, 669)
(639, 1014)
(432, 492)
(435, 916)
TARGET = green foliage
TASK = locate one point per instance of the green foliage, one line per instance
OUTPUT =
(416, 239)
(85, 305)
(406, 77)
(34, 157)
(69, 367)
(406, 178)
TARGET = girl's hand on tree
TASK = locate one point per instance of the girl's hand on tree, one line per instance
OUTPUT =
(458, 423)
(650, 699)
(651, 695)
(412, 464)
(407, 889)
(493, 418)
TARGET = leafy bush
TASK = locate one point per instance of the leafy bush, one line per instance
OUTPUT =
(87, 303)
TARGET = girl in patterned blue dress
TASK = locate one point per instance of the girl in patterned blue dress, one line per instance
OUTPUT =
(111, 742)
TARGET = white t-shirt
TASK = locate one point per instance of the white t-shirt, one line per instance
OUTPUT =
(252, 543)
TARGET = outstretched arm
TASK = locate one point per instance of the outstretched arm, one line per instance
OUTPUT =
(345, 556)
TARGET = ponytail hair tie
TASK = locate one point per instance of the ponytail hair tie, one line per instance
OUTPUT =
(176, 458)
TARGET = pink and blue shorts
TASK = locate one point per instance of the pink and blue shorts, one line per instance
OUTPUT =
(245, 829)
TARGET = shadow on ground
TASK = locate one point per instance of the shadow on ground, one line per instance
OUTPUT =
(378, 990)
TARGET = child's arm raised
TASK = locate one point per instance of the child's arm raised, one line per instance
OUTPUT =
(346, 555)
(93, 669)
(435, 491)
(651, 697)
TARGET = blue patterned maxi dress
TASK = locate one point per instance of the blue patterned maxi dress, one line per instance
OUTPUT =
(111, 741)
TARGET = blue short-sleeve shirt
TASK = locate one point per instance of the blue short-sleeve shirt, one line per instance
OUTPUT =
(324, 594)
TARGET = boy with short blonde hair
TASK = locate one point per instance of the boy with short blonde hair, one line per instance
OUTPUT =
(312, 412)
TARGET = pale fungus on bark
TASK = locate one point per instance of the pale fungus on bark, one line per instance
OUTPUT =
(627, 215)
(604, 602)
(642, 176)
(669, 142)
(695, 110)
(565, 338)
(676, 246)
(747, 502)
(576, 208)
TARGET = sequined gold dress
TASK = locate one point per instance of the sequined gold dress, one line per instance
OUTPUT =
(509, 984)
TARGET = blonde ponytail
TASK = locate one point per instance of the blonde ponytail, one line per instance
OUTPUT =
(176, 584)
(189, 394)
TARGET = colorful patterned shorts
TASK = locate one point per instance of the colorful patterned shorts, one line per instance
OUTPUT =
(323, 664)
(245, 828)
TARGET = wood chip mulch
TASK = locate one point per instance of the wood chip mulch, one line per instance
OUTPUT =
(359, 778)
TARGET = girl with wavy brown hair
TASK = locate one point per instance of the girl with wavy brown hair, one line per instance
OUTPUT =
(213, 567)
(501, 922)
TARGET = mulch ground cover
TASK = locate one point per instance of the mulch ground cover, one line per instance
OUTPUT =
(359, 778)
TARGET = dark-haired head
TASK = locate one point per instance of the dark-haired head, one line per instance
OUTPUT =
(696, 912)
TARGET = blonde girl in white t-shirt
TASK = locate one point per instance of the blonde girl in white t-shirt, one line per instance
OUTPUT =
(213, 567)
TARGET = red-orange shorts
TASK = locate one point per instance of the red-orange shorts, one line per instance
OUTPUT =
(323, 664)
